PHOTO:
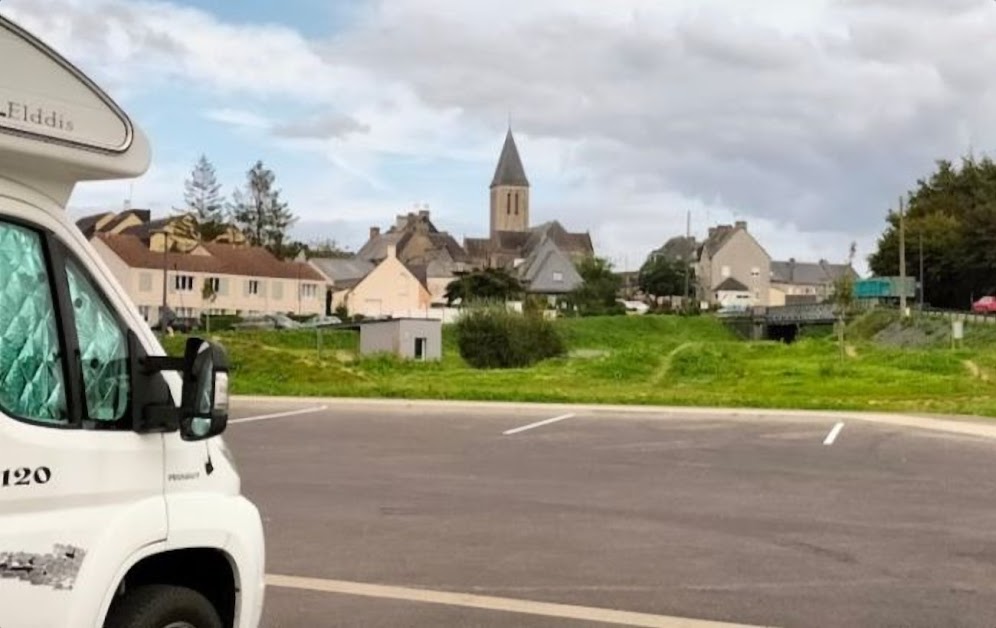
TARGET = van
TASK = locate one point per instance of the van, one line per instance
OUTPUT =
(120, 505)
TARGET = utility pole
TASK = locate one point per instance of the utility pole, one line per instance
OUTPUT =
(921, 271)
(688, 262)
(902, 260)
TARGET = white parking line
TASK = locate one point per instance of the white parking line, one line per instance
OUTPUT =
(537, 424)
(486, 602)
(832, 436)
(278, 415)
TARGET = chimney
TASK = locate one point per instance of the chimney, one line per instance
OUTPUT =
(423, 213)
(791, 270)
(374, 232)
(741, 224)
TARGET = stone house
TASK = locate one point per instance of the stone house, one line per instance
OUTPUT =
(419, 244)
(805, 282)
(390, 288)
(730, 251)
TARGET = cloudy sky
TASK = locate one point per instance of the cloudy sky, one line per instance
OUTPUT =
(806, 118)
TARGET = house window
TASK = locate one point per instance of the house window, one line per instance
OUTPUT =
(755, 272)
(252, 286)
(309, 290)
(183, 283)
(558, 276)
(145, 311)
(214, 284)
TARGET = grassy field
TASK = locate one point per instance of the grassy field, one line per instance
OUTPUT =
(652, 360)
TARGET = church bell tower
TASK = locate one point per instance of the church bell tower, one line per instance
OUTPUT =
(509, 191)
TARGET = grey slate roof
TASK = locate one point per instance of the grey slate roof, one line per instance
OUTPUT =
(538, 269)
(568, 242)
(343, 271)
(509, 170)
(717, 238)
(731, 285)
(477, 248)
(376, 248)
(808, 273)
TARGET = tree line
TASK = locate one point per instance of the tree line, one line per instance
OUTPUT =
(256, 209)
(952, 212)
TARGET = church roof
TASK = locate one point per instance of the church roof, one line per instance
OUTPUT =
(509, 170)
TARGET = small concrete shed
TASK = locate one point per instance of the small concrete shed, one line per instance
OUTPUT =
(409, 338)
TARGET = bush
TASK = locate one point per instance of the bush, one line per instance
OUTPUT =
(493, 337)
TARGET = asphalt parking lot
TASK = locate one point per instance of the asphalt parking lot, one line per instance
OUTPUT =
(460, 517)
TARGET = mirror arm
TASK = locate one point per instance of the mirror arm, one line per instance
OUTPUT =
(157, 364)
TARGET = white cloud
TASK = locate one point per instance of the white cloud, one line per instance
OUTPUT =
(239, 118)
(806, 118)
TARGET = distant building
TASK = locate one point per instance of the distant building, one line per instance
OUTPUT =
(159, 261)
(543, 256)
(805, 282)
(388, 288)
(731, 252)
(419, 244)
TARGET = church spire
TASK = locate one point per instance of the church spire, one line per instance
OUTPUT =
(509, 170)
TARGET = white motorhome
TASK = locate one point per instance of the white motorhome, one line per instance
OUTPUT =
(120, 504)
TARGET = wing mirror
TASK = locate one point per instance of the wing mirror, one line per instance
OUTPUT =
(203, 410)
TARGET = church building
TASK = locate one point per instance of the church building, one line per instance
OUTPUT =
(513, 241)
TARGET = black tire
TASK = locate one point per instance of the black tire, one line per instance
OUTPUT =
(160, 606)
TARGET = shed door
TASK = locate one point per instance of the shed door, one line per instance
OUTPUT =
(420, 346)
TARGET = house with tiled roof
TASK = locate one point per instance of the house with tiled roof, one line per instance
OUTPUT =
(730, 252)
(512, 240)
(388, 287)
(805, 282)
(418, 244)
(160, 264)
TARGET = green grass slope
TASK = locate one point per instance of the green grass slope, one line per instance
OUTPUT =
(643, 360)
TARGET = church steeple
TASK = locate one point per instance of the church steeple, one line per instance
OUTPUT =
(509, 170)
(509, 191)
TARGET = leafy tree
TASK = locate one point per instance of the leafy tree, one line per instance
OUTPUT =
(597, 295)
(259, 212)
(203, 199)
(489, 284)
(663, 277)
(843, 299)
(954, 212)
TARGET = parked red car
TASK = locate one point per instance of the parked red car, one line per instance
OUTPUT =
(985, 305)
